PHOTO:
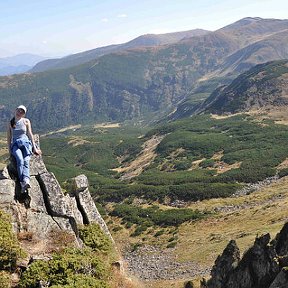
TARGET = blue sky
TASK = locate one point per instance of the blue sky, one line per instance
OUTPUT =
(61, 27)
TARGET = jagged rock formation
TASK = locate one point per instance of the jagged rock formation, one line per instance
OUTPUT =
(47, 211)
(264, 265)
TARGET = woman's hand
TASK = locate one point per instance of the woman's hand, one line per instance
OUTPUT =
(37, 151)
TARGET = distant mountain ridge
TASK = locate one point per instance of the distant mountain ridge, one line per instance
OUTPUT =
(148, 40)
(10, 70)
(19, 63)
(147, 82)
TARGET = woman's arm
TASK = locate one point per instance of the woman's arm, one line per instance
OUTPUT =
(9, 137)
(36, 150)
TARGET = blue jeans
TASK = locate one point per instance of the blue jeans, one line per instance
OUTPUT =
(23, 163)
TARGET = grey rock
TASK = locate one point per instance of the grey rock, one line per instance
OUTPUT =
(258, 268)
(4, 174)
(46, 210)
(37, 165)
(224, 264)
(7, 192)
(153, 263)
(72, 202)
(281, 281)
(54, 198)
(40, 224)
(281, 241)
(86, 205)
(37, 201)
(80, 183)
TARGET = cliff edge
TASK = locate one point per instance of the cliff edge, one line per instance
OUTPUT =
(47, 212)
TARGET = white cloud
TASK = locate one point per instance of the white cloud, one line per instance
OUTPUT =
(122, 15)
(104, 20)
(44, 42)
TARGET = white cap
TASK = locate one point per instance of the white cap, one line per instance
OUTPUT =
(22, 107)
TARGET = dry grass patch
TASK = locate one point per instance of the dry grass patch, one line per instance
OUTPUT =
(219, 166)
(74, 127)
(120, 280)
(241, 218)
(25, 235)
(222, 167)
(219, 117)
(144, 159)
(107, 125)
(166, 283)
(195, 164)
(277, 114)
(283, 165)
(218, 155)
(76, 141)
(60, 240)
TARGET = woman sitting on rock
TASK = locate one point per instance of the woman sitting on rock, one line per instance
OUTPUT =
(21, 145)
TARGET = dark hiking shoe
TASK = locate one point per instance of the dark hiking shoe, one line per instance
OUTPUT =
(25, 186)
(27, 200)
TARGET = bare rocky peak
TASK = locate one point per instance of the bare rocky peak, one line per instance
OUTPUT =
(47, 211)
(264, 265)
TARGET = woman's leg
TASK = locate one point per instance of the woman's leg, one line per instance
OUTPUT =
(26, 170)
(17, 153)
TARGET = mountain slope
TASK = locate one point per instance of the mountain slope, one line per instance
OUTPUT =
(141, 41)
(263, 86)
(141, 82)
(117, 86)
(248, 30)
(244, 31)
(270, 48)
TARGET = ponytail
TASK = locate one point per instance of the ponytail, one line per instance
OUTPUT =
(13, 122)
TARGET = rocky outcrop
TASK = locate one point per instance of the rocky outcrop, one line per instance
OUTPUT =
(224, 264)
(85, 204)
(264, 265)
(46, 211)
(281, 281)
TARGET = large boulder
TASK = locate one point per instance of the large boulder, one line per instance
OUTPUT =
(86, 204)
